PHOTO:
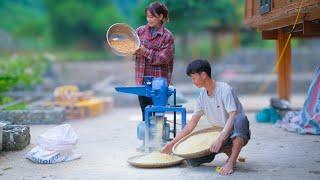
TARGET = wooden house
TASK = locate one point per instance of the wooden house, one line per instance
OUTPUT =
(275, 19)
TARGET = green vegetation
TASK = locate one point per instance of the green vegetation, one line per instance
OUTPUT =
(76, 55)
(75, 30)
(20, 72)
(81, 23)
(19, 106)
(27, 24)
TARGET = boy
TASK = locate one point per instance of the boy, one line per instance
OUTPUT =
(221, 106)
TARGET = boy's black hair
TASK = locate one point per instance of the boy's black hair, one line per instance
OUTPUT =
(198, 66)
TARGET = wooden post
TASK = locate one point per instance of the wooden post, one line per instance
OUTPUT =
(235, 28)
(284, 68)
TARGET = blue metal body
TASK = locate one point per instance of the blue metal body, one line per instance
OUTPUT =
(157, 89)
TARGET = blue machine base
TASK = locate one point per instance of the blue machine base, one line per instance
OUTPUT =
(160, 109)
(141, 131)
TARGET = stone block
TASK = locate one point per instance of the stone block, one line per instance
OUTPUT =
(15, 137)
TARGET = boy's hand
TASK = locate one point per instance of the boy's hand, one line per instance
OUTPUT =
(216, 145)
(167, 148)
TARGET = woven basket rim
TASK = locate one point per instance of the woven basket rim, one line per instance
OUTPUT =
(152, 165)
(196, 154)
(131, 31)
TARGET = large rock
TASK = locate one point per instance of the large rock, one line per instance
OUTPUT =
(15, 137)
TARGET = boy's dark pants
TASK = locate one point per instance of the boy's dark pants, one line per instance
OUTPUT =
(240, 129)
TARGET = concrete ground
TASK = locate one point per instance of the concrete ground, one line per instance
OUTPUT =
(106, 142)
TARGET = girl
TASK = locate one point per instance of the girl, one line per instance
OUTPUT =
(155, 56)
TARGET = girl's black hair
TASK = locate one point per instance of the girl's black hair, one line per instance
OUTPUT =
(157, 8)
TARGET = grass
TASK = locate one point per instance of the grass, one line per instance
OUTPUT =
(19, 106)
(79, 55)
(67, 55)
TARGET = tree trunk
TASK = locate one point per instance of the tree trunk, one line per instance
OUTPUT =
(184, 46)
(235, 37)
(214, 51)
(223, 43)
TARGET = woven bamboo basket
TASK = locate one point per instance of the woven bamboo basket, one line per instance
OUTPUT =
(122, 39)
(197, 154)
(133, 161)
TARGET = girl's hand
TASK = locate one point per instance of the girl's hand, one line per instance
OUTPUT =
(141, 50)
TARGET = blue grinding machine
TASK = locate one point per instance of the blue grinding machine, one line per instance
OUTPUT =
(156, 125)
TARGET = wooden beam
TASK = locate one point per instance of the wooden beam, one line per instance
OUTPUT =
(284, 68)
(270, 35)
(297, 28)
(311, 28)
(307, 29)
(300, 35)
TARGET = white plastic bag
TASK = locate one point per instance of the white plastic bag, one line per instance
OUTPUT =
(59, 138)
(41, 156)
(55, 145)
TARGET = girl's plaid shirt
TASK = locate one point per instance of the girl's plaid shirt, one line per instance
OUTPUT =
(158, 59)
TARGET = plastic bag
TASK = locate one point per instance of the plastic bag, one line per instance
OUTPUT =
(55, 145)
(42, 156)
(59, 138)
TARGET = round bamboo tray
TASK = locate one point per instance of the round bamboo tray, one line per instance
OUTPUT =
(197, 154)
(122, 39)
(133, 162)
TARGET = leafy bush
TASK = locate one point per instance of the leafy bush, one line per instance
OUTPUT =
(18, 106)
(26, 24)
(81, 23)
(22, 71)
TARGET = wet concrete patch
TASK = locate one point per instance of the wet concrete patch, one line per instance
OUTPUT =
(246, 170)
(315, 172)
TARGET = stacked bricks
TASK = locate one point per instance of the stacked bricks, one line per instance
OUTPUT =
(87, 108)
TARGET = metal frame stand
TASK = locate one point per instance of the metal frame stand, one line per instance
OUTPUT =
(149, 110)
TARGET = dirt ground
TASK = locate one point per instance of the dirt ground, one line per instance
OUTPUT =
(107, 141)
